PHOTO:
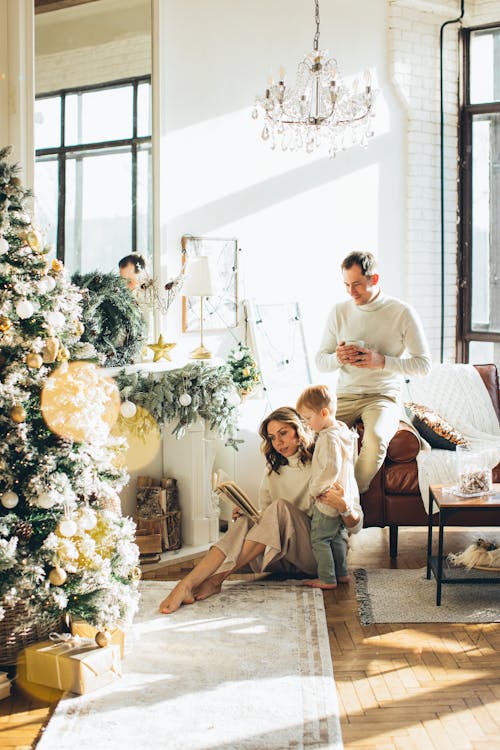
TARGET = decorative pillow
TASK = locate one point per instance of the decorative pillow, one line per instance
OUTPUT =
(432, 427)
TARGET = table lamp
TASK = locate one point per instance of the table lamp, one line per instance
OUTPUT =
(199, 284)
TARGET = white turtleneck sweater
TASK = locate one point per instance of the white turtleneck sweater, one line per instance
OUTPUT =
(386, 325)
(292, 484)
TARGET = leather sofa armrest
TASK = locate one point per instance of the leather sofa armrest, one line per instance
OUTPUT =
(405, 444)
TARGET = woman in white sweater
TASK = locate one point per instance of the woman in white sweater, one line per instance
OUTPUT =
(280, 541)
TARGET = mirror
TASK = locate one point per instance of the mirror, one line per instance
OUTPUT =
(93, 123)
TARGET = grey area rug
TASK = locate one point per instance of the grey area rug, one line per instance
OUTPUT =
(248, 669)
(392, 596)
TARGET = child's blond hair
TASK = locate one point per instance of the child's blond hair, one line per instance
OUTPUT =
(317, 397)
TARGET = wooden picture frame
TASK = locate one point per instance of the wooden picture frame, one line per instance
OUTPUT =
(221, 308)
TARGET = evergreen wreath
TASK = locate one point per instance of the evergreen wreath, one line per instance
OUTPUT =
(113, 320)
(183, 395)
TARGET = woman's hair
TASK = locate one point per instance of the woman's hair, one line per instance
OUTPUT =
(317, 397)
(288, 416)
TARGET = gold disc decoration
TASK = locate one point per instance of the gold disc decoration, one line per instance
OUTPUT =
(18, 414)
(79, 402)
(142, 436)
(34, 360)
(161, 349)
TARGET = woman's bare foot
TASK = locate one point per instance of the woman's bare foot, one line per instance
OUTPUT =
(344, 579)
(181, 594)
(317, 583)
(208, 588)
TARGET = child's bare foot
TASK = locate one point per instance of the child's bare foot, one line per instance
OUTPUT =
(181, 594)
(317, 583)
(211, 586)
(344, 579)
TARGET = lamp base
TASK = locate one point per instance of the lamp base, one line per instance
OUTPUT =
(200, 353)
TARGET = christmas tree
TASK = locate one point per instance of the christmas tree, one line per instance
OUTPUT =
(64, 546)
(243, 368)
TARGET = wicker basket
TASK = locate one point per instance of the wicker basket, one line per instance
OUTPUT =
(14, 639)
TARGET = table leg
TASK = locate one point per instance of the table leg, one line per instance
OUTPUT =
(440, 558)
(429, 535)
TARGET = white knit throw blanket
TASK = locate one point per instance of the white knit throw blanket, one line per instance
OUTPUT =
(457, 393)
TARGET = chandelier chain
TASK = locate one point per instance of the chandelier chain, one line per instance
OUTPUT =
(316, 18)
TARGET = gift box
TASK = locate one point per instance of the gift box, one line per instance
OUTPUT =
(74, 664)
(84, 630)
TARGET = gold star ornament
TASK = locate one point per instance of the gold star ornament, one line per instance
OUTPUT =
(161, 349)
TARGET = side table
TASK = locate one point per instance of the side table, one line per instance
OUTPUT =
(449, 504)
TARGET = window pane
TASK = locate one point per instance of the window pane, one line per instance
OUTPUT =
(484, 353)
(96, 116)
(46, 197)
(48, 122)
(485, 66)
(485, 313)
(144, 203)
(98, 210)
(144, 109)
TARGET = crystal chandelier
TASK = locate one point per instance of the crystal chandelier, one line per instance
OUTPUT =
(320, 109)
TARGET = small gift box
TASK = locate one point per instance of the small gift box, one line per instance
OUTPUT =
(83, 629)
(71, 663)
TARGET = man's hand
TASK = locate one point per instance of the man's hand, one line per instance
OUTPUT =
(359, 356)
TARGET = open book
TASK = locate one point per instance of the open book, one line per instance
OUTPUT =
(230, 491)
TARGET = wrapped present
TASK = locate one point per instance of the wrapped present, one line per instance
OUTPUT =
(84, 630)
(72, 663)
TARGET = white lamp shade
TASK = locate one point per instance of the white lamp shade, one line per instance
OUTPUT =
(198, 278)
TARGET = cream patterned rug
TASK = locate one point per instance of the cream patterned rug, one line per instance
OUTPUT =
(392, 596)
(250, 669)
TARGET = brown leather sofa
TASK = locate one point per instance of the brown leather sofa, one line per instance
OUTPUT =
(393, 498)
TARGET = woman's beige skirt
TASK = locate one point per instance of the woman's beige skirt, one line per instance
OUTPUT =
(286, 533)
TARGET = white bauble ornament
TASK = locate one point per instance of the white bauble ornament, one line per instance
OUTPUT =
(55, 319)
(238, 355)
(45, 501)
(4, 246)
(185, 399)
(67, 527)
(128, 409)
(25, 309)
(46, 284)
(10, 499)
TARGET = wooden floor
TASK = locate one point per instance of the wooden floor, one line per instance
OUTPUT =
(401, 687)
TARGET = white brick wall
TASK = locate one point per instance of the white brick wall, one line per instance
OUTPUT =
(414, 28)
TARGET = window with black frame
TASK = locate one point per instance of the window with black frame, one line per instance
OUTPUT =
(479, 329)
(93, 176)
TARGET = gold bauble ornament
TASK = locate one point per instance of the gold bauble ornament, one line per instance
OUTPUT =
(56, 265)
(34, 360)
(161, 349)
(5, 323)
(49, 352)
(136, 574)
(103, 638)
(79, 328)
(18, 413)
(57, 576)
(33, 239)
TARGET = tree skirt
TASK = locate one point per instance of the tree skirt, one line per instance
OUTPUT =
(250, 668)
(407, 596)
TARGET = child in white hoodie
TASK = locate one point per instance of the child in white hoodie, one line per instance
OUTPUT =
(333, 461)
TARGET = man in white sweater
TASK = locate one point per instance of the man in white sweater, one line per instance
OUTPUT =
(372, 340)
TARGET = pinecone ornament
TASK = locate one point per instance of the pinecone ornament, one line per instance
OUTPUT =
(23, 530)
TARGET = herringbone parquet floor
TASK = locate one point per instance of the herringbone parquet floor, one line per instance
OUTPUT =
(401, 687)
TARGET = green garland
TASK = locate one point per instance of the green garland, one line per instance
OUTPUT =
(183, 395)
(113, 320)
